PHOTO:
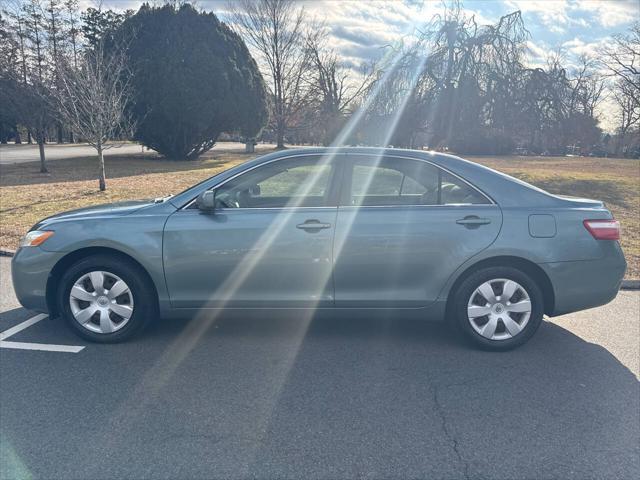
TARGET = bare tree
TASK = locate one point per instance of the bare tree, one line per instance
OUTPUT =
(457, 87)
(36, 33)
(622, 60)
(275, 30)
(26, 90)
(73, 23)
(17, 16)
(625, 98)
(333, 85)
(587, 86)
(92, 100)
(54, 30)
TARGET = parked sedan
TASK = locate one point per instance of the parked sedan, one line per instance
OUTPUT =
(329, 229)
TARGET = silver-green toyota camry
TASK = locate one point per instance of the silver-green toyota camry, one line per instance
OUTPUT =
(329, 229)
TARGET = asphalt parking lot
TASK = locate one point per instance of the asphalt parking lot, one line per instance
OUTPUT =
(286, 397)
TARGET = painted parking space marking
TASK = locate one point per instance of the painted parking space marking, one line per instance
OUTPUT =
(21, 326)
(41, 346)
(46, 347)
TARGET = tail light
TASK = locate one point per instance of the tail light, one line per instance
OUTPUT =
(603, 229)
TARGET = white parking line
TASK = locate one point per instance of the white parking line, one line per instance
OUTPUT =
(41, 346)
(34, 346)
(22, 326)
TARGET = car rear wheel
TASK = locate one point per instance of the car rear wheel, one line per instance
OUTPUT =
(498, 308)
(105, 299)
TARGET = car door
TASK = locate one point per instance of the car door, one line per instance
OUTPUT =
(403, 227)
(267, 243)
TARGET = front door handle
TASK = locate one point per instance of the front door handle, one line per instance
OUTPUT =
(313, 225)
(472, 221)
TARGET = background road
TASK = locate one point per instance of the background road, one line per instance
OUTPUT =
(25, 153)
(293, 398)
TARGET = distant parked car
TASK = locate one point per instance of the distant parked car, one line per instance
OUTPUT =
(345, 229)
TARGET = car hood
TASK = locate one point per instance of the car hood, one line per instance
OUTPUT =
(109, 210)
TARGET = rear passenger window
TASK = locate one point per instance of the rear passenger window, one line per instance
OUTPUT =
(392, 181)
(384, 182)
(455, 191)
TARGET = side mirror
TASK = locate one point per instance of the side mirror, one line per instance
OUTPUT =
(206, 201)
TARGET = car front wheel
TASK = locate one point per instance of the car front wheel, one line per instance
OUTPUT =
(498, 308)
(105, 299)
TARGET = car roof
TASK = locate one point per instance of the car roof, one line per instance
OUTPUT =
(503, 189)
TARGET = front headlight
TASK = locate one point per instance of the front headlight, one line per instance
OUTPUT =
(35, 238)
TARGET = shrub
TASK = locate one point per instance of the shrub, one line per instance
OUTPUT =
(193, 78)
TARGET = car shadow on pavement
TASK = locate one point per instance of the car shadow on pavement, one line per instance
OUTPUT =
(389, 397)
(332, 397)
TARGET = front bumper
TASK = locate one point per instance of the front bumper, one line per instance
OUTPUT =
(30, 271)
(586, 284)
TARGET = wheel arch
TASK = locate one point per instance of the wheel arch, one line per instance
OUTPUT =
(65, 262)
(527, 266)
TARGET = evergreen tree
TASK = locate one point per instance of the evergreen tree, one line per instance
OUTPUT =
(100, 25)
(193, 78)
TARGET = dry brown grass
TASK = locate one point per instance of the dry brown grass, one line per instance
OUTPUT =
(26, 196)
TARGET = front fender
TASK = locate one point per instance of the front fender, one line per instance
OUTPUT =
(137, 237)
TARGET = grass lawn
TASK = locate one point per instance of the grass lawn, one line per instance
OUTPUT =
(27, 195)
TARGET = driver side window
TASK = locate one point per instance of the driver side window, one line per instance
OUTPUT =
(284, 183)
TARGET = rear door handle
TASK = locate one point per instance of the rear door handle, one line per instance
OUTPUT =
(313, 225)
(473, 221)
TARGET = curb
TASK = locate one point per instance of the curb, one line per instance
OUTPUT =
(626, 284)
(630, 285)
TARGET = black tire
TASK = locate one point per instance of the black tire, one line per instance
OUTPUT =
(463, 293)
(145, 305)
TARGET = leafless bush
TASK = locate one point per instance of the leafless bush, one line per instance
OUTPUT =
(92, 100)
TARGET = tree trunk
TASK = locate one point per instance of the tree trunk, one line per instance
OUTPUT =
(101, 177)
(620, 144)
(280, 134)
(43, 165)
(29, 139)
(249, 146)
(59, 133)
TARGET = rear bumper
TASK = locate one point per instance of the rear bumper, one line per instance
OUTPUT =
(586, 284)
(30, 270)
